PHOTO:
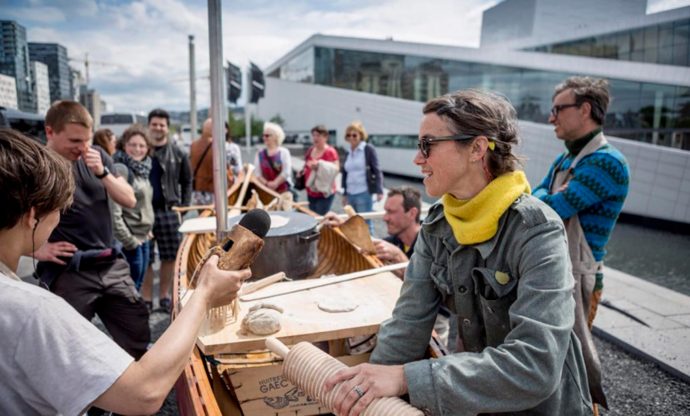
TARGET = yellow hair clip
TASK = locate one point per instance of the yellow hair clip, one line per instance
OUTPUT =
(492, 145)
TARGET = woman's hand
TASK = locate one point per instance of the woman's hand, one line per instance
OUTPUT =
(364, 383)
(220, 287)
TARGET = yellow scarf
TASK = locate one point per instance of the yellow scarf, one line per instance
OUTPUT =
(476, 220)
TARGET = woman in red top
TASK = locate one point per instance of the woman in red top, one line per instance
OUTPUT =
(322, 189)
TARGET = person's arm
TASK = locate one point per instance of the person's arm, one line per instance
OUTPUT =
(596, 178)
(146, 383)
(120, 229)
(402, 339)
(185, 179)
(331, 155)
(542, 190)
(117, 187)
(376, 170)
(257, 168)
(238, 158)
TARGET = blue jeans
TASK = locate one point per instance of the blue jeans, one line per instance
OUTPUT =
(320, 205)
(362, 202)
(138, 260)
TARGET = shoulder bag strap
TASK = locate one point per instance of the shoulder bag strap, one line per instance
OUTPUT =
(201, 159)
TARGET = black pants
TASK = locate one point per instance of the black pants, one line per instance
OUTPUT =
(106, 289)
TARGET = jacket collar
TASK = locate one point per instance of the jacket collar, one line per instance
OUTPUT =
(435, 224)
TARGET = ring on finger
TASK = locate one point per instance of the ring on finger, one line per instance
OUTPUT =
(359, 391)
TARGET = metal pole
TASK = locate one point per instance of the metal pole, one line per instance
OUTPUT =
(218, 114)
(247, 114)
(192, 91)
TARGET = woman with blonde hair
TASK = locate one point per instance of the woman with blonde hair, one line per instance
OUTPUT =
(361, 175)
(273, 162)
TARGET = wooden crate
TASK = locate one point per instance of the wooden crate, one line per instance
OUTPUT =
(262, 389)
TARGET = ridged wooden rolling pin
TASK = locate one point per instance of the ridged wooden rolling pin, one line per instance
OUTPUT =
(308, 368)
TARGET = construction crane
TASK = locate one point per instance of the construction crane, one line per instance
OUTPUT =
(87, 62)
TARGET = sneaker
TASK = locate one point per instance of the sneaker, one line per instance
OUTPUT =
(165, 304)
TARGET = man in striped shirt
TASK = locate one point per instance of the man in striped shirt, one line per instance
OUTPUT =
(586, 186)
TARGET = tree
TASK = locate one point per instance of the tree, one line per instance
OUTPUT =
(278, 120)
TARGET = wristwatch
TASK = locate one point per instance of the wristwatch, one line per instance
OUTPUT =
(105, 173)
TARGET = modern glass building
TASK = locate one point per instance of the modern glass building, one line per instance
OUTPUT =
(384, 83)
(651, 102)
(653, 112)
(54, 56)
(14, 61)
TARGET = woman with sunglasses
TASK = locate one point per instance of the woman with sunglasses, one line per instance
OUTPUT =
(274, 165)
(495, 256)
(361, 175)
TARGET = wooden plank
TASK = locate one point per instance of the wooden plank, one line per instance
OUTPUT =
(300, 285)
(303, 320)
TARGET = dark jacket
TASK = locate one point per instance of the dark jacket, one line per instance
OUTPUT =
(176, 181)
(374, 175)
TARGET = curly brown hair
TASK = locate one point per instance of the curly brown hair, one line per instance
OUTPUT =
(31, 176)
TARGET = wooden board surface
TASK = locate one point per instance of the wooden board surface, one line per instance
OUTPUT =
(304, 321)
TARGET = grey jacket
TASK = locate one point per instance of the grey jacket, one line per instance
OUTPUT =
(133, 225)
(514, 298)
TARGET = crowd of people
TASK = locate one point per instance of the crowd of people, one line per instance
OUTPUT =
(518, 270)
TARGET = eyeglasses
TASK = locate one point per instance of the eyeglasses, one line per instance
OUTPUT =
(558, 108)
(267, 135)
(352, 135)
(425, 142)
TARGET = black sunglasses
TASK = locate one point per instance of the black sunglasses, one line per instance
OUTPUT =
(425, 142)
(558, 108)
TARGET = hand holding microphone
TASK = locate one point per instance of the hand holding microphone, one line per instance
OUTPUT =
(235, 255)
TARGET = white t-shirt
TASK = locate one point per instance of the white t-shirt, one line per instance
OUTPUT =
(52, 360)
(233, 157)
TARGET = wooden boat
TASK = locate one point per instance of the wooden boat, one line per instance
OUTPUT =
(205, 388)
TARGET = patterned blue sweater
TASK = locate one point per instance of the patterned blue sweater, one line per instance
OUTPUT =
(596, 193)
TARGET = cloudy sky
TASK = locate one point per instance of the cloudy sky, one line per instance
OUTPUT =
(138, 49)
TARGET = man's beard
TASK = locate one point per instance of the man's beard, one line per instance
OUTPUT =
(158, 137)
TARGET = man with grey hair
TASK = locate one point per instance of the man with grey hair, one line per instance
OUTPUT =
(586, 186)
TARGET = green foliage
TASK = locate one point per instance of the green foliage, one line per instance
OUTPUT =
(237, 129)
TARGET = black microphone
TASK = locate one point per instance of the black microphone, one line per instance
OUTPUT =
(256, 221)
(244, 241)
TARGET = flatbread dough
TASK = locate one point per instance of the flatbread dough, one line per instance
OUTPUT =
(278, 220)
(262, 319)
(337, 305)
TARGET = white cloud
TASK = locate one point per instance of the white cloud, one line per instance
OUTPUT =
(147, 39)
(38, 14)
